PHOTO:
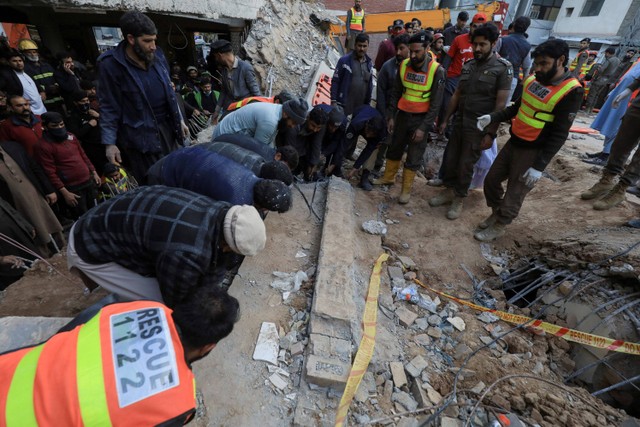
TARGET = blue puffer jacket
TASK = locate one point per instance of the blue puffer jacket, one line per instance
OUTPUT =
(342, 75)
(210, 174)
(126, 116)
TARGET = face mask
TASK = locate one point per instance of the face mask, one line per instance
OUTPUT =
(59, 134)
(85, 107)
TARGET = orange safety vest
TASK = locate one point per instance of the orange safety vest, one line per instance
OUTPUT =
(356, 19)
(574, 62)
(124, 367)
(416, 95)
(249, 100)
(536, 106)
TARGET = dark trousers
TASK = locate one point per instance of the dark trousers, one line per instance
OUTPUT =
(512, 162)
(463, 151)
(88, 192)
(405, 125)
(139, 162)
(626, 140)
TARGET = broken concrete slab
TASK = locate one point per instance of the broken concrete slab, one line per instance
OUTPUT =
(279, 382)
(397, 372)
(457, 323)
(327, 372)
(18, 331)
(322, 345)
(268, 344)
(406, 316)
(407, 262)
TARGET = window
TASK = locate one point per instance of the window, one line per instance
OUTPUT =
(569, 11)
(546, 10)
(592, 8)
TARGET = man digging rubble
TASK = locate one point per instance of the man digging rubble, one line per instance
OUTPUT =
(541, 120)
(162, 243)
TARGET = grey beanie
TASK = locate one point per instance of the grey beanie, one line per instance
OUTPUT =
(336, 116)
(296, 109)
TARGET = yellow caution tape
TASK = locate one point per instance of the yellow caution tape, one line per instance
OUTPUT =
(368, 341)
(561, 332)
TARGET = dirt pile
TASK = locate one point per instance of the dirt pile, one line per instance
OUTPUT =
(285, 46)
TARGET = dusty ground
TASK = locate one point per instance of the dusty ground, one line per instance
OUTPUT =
(236, 390)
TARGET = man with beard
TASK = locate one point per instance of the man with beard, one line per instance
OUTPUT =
(67, 78)
(581, 58)
(484, 87)
(414, 104)
(15, 81)
(66, 165)
(85, 370)
(454, 31)
(84, 123)
(541, 121)
(386, 78)
(624, 66)
(22, 125)
(352, 82)
(138, 107)
(355, 24)
(42, 74)
(263, 121)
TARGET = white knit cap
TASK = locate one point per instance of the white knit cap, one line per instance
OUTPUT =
(244, 230)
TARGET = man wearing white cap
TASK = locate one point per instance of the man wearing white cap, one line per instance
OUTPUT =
(162, 243)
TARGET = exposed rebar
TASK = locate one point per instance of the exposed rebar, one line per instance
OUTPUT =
(615, 386)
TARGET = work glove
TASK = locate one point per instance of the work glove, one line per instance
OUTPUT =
(483, 122)
(531, 176)
(622, 95)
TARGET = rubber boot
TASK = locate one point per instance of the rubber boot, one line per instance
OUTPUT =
(614, 197)
(456, 208)
(390, 171)
(600, 188)
(489, 221)
(446, 196)
(407, 182)
(490, 233)
(365, 184)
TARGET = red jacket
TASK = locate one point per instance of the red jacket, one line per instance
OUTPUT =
(65, 163)
(26, 134)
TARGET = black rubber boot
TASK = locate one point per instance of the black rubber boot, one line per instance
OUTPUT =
(365, 184)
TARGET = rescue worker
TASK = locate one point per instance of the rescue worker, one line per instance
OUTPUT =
(541, 121)
(484, 87)
(355, 24)
(42, 74)
(606, 189)
(581, 58)
(115, 180)
(285, 153)
(368, 123)
(601, 80)
(414, 104)
(126, 364)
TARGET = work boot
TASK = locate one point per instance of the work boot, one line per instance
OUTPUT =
(614, 197)
(407, 182)
(490, 233)
(489, 221)
(456, 208)
(445, 197)
(390, 171)
(600, 188)
(365, 184)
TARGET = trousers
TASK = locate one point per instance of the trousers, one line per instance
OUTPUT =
(405, 125)
(463, 153)
(626, 140)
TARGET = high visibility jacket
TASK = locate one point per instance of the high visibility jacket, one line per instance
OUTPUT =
(111, 188)
(249, 100)
(124, 367)
(537, 104)
(574, 62)
(356, 19)
(416, 96)
(585, 70)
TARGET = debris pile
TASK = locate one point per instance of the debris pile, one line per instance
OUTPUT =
(285, 47)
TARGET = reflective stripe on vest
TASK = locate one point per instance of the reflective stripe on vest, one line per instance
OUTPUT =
(249, 100)
(356, 19)
(416, 95)
(537, 104)
(124, 366)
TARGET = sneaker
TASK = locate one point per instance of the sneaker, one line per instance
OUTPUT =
(593, 155)
(598, 161)
(435, 182)
(634, 190)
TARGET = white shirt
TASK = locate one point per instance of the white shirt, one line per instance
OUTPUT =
(31, 92)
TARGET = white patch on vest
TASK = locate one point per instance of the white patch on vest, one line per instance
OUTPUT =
(538, 90)
(416, 78)
(143, 356)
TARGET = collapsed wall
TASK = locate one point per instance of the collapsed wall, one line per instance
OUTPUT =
(286, 48)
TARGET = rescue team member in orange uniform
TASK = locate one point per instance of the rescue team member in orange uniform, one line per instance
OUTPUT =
(540, 126)
(413, 107)
(128, 365)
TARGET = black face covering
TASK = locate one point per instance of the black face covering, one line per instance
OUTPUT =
(357, 7)
(85, 107)
(59, 134)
